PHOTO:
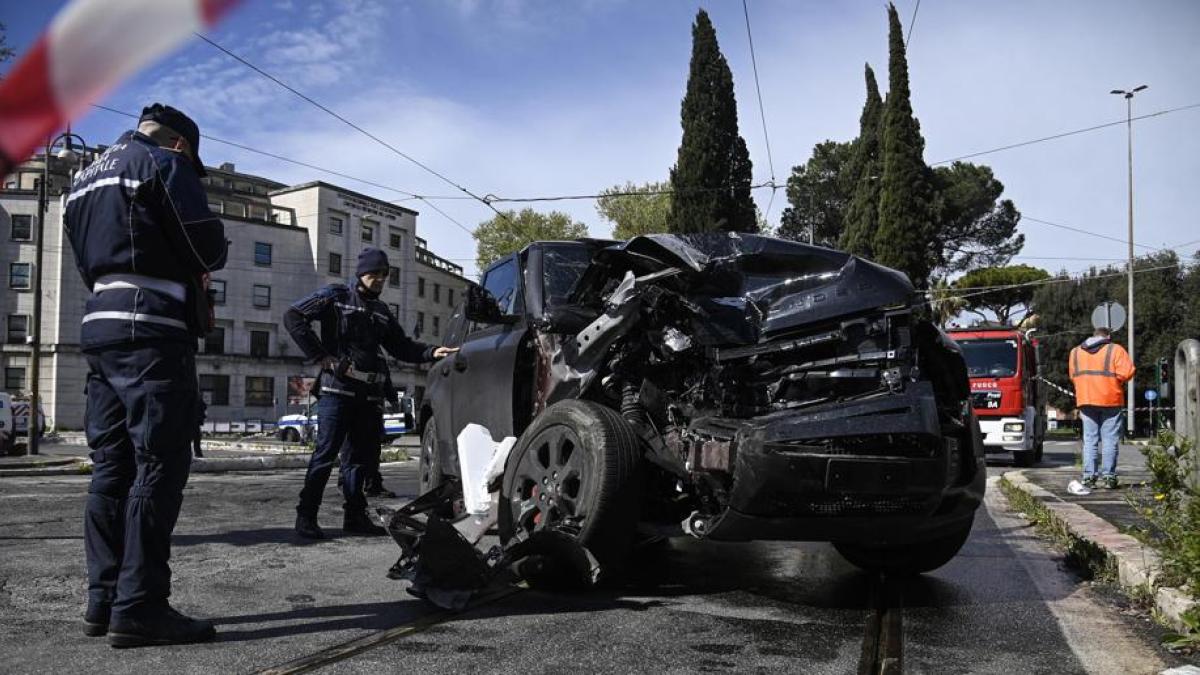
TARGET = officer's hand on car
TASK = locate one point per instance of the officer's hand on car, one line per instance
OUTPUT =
(442, 352)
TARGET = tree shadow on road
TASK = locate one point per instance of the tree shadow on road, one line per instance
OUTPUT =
(258, 536)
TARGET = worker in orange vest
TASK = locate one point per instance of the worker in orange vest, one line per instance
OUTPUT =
(1099, 369)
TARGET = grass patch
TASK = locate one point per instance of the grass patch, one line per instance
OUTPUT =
(1170, 510)
(1085, 557)
(394, 455)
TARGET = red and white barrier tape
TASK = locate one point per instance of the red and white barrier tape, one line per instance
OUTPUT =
(88, 49)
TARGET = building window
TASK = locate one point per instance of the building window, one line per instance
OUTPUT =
(450, 296)
(395, 238)
(214, 389)
(258, 212)
(260, 392)
(236, 209)
(420, 287)
(420, 324)
(216, 207)
(368, 232)
(262, 296)
(216, 290)
(394, 276)
(262, 254)
(214, 342)
(335, 225)
(22, 228)
(437, 292)
(395, 310)
(18, 275)
(335, 263)
(14, 379)
(260, 343)
(18, 328)
(437, 326)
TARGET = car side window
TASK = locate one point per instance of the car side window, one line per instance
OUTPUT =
(501, 281)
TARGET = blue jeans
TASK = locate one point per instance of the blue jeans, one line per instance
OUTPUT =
(1101, 427)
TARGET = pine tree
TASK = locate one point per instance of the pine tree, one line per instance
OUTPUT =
(711, 176)
(905, 230)
(862, 216)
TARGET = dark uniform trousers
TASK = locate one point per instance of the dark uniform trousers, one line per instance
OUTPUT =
(141, 402)
(352, 424)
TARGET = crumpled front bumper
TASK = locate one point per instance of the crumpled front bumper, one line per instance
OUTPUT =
(877, 470)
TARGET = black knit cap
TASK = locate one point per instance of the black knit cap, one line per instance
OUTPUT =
(371, 260)
(180, 124)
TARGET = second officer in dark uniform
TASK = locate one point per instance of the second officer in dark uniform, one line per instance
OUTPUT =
(355, 323)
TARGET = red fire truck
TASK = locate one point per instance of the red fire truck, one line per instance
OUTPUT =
(1008, 398)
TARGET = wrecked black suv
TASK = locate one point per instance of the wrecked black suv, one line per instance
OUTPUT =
(723, 386)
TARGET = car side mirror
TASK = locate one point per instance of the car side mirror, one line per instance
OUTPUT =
(482, 307)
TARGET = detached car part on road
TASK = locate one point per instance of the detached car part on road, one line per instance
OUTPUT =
(723, 386)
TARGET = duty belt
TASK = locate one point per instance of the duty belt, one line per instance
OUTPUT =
(369, 378)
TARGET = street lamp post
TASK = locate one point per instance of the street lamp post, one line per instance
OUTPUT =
(1129, 425)
(67, 154)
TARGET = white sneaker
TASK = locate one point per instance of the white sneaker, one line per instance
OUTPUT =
(1078, 489)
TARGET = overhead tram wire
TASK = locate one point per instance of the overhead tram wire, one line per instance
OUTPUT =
(912, 22)
(1065, 134)
(352, 125)
(761, 112)
(331, 172)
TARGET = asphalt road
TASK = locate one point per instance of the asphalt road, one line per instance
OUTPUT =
(1003, 606)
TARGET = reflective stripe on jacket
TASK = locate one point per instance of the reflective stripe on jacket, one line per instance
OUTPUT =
(1100, 376)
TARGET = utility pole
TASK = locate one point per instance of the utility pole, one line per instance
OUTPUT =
(35, 341)
(1129, 425)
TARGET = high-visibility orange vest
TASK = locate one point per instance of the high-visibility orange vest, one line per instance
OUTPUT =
(1100, 377)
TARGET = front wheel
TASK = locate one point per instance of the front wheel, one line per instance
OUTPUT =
(576, 470)
(915, 558)
(429, 468)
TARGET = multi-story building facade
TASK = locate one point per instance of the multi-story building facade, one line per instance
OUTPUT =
(285, 242)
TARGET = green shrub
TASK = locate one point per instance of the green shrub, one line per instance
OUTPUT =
(1171, 509)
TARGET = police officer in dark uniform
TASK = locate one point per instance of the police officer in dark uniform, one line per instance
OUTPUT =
(144, 242)
(354, 325)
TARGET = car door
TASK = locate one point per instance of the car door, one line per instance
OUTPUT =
(480, 375)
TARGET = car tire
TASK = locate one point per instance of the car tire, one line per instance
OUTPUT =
(1025, 458)
(916, 558)
(578, 467)
(429, 467)
(290, 435)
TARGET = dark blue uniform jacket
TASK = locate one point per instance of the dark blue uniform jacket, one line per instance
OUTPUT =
(139, 224)
(353, 326)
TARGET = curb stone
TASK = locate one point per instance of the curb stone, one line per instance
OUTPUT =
(1137, 565)
(199, 465)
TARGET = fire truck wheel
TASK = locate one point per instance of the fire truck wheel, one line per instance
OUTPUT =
(1038, 450)
(1025, 458)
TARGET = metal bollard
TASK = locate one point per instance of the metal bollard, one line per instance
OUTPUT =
(1187, 398)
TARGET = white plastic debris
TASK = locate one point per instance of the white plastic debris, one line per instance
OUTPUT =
(674, 339)
(478, 456)
(1078, 489)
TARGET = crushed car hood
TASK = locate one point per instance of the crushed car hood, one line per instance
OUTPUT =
(752, 286)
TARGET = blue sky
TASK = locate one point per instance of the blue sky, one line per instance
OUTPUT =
(544, 97)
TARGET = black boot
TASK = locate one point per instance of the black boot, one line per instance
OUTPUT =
(166, 627)
(357, 522)
(307, 527)
(95, 619)
(374, 488)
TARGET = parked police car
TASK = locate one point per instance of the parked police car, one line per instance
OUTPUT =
(294, 428)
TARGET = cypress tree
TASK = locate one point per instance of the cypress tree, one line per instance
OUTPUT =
(905, 230)
(862, 214)
(711, 176)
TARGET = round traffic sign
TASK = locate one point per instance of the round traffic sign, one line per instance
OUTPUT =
(1151, 394)
(1110, 315)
